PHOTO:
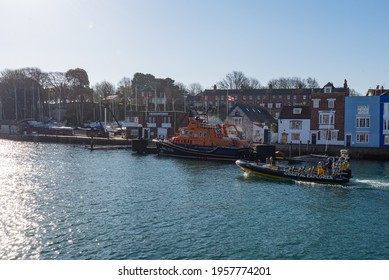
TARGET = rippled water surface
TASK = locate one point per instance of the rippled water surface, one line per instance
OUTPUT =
(65, 202)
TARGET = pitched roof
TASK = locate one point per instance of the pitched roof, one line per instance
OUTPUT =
(334, 89)
(289, 112)
(254, 113)
(262, 91)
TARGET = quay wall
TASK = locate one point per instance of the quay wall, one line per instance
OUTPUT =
(354, 152)
(64, 139)
(289, 150)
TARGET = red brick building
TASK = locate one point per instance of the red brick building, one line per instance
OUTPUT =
(327, 114)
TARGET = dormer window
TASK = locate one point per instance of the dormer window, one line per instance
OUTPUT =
(327, 89)
(297, 111)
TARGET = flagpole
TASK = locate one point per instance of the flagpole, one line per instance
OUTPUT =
(228, 99)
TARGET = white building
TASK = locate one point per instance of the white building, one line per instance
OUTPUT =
(294, 124)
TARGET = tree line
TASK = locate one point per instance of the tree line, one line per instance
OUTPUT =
(30, 93)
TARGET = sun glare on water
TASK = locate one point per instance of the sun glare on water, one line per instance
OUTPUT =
(19, 226)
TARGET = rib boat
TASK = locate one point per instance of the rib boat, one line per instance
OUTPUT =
(339, 174)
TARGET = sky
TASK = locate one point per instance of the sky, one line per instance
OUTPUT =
(201, 41)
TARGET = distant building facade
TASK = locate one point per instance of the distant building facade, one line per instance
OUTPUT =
(271, 99)
(327, 115)
(363, 121)
(294, 125)
(253, 120)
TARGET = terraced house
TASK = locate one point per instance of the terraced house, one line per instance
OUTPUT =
(367, 119)
(326, 107)
(327, 114)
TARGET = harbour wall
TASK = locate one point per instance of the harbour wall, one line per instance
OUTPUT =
(289, 150)
(292, 150)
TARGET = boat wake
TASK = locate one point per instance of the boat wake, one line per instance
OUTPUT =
(371, 183)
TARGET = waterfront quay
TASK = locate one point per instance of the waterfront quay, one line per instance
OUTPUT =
(104, 143)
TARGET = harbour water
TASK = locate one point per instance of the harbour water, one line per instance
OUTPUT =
(66, 202)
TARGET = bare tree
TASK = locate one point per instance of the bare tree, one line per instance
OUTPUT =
(293, 82)
(194, 89)
(312, 83)
(104, 89)
(254, 84)
(234, 80)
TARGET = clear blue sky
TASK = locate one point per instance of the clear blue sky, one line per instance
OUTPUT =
(200, 41)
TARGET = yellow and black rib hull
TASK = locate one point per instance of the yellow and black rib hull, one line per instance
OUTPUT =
(275, 172)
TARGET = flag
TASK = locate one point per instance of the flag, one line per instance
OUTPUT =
(231, 98)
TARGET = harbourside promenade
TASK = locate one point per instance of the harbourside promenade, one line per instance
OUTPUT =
(289, 150)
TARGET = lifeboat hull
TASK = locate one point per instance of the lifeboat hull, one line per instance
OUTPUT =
(167, 148)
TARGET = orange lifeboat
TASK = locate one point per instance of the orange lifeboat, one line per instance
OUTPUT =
(203, 140)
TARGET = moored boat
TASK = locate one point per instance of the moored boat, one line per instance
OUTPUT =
(203, 140)
(315, 173)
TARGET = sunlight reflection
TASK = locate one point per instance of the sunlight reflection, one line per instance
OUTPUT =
(19, 221)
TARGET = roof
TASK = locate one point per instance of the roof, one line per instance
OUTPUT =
(289, 112)
(254, 113)
(343, 89)
(262, 91)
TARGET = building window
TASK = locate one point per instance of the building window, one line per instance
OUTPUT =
(327, 89)
(278, 105)
(250, 97)
(296, 125)
(334, 135)
(269, 105)
(362, 137)
(238, 121)
(386, 124)
(363, 122)
(326, 118)
(386, 109)
(316, 103)
(166, 119)
(295, 136)
(386, 139)
(331, 103)
(297, 111)
(363, 110)
(304, 97)
(325, 135)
